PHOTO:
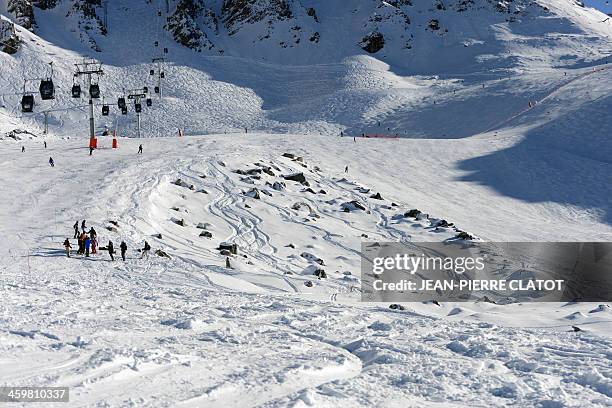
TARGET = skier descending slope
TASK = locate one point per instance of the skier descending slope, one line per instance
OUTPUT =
(123, 248)
(111, 250)
(76, 229)
(51, 162)
(140, 149)
(67, 246)
(145, 250)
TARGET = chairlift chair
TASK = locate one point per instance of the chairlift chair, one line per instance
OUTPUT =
(124, 110)
(145, 89)
(76, 91)
(165, 50)
(137, 107)
(162, 75)
(94, 91)
(149, 102)
(159, 13)
(27, 103)
(156, 89)
(121, 103)
(105, 110)
(152, 72)
(47, 90)
(157, 43)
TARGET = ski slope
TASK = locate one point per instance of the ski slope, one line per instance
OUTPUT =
(187, 331)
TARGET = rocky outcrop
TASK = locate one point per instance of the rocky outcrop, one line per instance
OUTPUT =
(23, 12)
(373, 42)
(236, 13)
(184, 27)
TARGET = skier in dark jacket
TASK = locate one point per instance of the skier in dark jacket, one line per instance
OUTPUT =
(140, 149)
(76, 229)
(51, 162)
(145, 250)
(83, 226)
(123, 247)
(111, 250)
(22, 149)
(67, 246)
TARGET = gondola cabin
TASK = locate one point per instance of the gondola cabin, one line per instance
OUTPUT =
(27, 103)
(47, 90)
(76, 91)
(94, 91)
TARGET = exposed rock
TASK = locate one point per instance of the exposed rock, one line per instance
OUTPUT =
(228, 246)
(395, 306)
(312, 13)
(237, 13)
(441, 224)
(376, 196)
(253, 193)
(289, 155)
(206, 234)
(299, 177)
(279, 185)
(373, 42)
(184, 27)
(464, 235)
(180, 222)
(308, 284)
(434, 24)
(412, 213)
(203, 225)
(161, 253)
(352, 206)
(312, 258)
(248, 172)
(158, 236)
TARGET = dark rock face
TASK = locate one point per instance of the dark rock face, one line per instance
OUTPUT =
(23, 12)
(299, 177)
(373, 42)
(236, 12)
(183, 24)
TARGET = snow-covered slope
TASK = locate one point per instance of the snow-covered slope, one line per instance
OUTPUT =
(480, 72)
(187, 331)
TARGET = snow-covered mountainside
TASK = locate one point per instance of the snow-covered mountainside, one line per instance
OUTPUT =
(496, 125)
(479, 64)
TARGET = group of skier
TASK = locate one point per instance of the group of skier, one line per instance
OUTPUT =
(88, 243)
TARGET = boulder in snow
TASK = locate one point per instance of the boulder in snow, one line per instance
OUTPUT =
(299, 177)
